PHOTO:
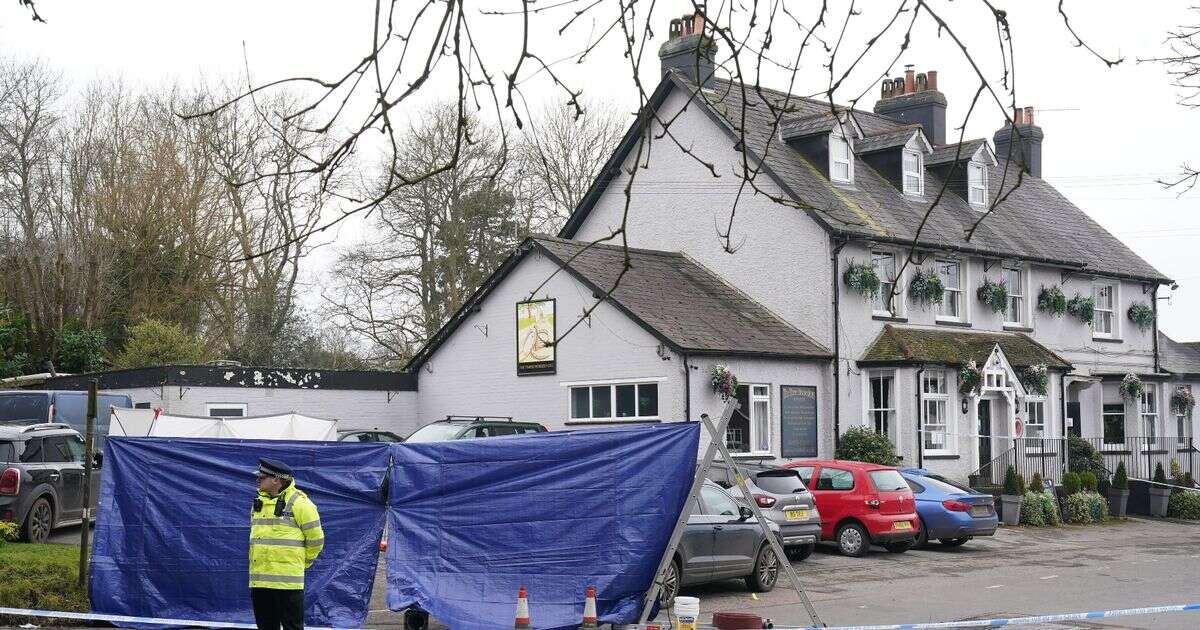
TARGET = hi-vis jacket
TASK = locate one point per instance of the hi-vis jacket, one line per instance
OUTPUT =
(283, 546)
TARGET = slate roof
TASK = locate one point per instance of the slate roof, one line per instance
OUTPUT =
(908, 345)
(1033, 222)
(948, 153)
(689, 306)
(1178, 357)
(887, 140)
(807, 126)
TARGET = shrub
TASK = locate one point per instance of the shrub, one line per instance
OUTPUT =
(1031, 510)
(1187, 481)
(1120, 478)
(1176, 472)
(994, 295)
(1071, 483)
(1036, 485)
(1141, 315)
(8, 532)
(1013, 484)
(1082, 307)
(1103, 485)
(153, 342)
(1082, 457)
(1085, 507)
(1098, 506)
(861, 444)
(1087, 481)
(1159, 475)
(80, 350)
(1184, 505)
(1052, 301)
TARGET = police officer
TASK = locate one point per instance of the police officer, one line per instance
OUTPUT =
(285, 539)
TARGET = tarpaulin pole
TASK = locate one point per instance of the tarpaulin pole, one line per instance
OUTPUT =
(681, 523)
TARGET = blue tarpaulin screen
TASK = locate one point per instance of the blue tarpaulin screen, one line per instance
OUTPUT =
(173, 527)
(472, 521)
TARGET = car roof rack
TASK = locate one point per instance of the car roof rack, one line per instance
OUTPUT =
(452, 418)
(45, 426)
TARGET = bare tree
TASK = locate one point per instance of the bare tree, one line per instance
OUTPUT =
(1183, 67)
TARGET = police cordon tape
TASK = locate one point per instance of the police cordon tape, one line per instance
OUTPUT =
(115, 619)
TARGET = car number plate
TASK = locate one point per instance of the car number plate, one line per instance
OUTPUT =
(902, 525)
(980, 510)
(796, 515)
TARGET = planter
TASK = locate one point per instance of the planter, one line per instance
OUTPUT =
(1117, 501)
(1010, 508)
(973, 481)
(1159, 496)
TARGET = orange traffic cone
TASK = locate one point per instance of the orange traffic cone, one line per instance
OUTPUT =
(589, 609)
(522, 621)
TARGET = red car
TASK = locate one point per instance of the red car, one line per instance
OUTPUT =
(861, 504)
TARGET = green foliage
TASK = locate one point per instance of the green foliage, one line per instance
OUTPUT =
(1036, 485)
(1036, 378)
(1141, 315)
(1182, 400)
(861, 278)
(1176, 471)
(1121, 477)
(994, 295)
(155, 342)
(1071, 483)
(1014, 484)
(1085, 507)
(861, 444)
(1082, 457)
(926, 287)
(1052, 301)
(9, 531)
(1039, 509)
(1160, 476)
(1131, 387)
(1103, 484)
(1184, 505)
(1087, 480)
(41, 576)
(14, 344)
(1082, 307)
(969, 378)
(80, 350)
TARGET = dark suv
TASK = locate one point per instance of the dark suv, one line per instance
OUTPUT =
(467, 427)
(41, 478)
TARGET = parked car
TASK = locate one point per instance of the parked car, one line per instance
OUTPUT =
(783, 499)
(367, 435)
(26, 407)
(722, 540)
(468, 427)
(861, 504)
(949, 512)
(41, 478)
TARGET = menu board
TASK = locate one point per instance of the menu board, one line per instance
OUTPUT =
(798, 417)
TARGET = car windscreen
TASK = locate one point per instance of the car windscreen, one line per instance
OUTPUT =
(436, 432)
(941, 484)
(8, 452)
(24, 407)
(780, 482)
(887, 481)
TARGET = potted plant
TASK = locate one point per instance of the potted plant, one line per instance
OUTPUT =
(969, 378)
(1160, 492)
(1036, 378)
(1141, 315)
(724, 382)
(862, 279)
(994, 295)
(1014, 495)
(1052, 301)
(1082, 307)
(1118, 492)
(1131, 387)
(926, 287)
(1182, 400)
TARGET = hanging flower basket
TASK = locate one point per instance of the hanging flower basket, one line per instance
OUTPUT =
(1182, 400)
(1141, 315)
(969, 378)
(1036, 378)
(926, 287)
(1132, 387)
(861, 279)
(724, 382)
(1052, 301)
(1082, 307)
(994, 295)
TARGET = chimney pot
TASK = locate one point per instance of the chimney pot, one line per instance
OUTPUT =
(922, 83)
(909, 86)
(1028, 115)
(698, 22)
(885, 89)
(898, 83)
(1018, 116)
(676, 29)
(931, 78)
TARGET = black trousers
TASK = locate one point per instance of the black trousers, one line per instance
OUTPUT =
(274, 607)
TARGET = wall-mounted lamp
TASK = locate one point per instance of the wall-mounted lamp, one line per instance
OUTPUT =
(965, 405)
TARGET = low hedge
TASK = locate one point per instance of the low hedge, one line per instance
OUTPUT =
(40, 576)
(1085, 507)
(1185, 505)
(1039, 509)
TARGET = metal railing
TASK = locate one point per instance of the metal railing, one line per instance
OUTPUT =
(1045, 456)
(1142, 455)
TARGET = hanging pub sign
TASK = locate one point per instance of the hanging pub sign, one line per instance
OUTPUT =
(535, 337)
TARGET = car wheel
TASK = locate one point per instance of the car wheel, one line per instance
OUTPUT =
(853, 541)
(954, 542)
(766, 570)
(899, 547)
(922, 536)
(38, 522)
(670, 586)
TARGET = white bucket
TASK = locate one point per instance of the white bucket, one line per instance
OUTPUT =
(687, 611)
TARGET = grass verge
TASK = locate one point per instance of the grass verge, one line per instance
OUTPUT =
(40, 576)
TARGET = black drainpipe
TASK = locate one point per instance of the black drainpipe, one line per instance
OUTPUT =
(920, 424)
(1062, 406)
(687, 389)
(1154, 302)
(837, 363)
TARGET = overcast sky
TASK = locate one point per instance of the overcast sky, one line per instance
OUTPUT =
(1110, 133)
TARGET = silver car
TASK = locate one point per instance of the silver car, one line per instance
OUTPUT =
(783, 499)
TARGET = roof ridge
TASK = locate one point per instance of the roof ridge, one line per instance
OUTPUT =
(602, 245)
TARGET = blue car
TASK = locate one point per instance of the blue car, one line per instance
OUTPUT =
(949, 512)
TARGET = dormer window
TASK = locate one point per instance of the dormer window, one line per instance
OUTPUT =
(977, 184)
(914, 172)
(841, 160)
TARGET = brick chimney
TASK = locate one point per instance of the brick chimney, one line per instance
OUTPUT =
(1022, 143)
(914, 98)
(688, 49)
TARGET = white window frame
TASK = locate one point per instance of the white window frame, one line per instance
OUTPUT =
(1114, 331)
(1148, 414)
(941, 398)
(960, 292)
(1022, 318)
(209, 407)
(977, 181)
(839, 135)
(1045, 434)
(612, 400)
(1104, 443)
(880, 302)
(919, 174)
(754, 397)
(893, 417)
